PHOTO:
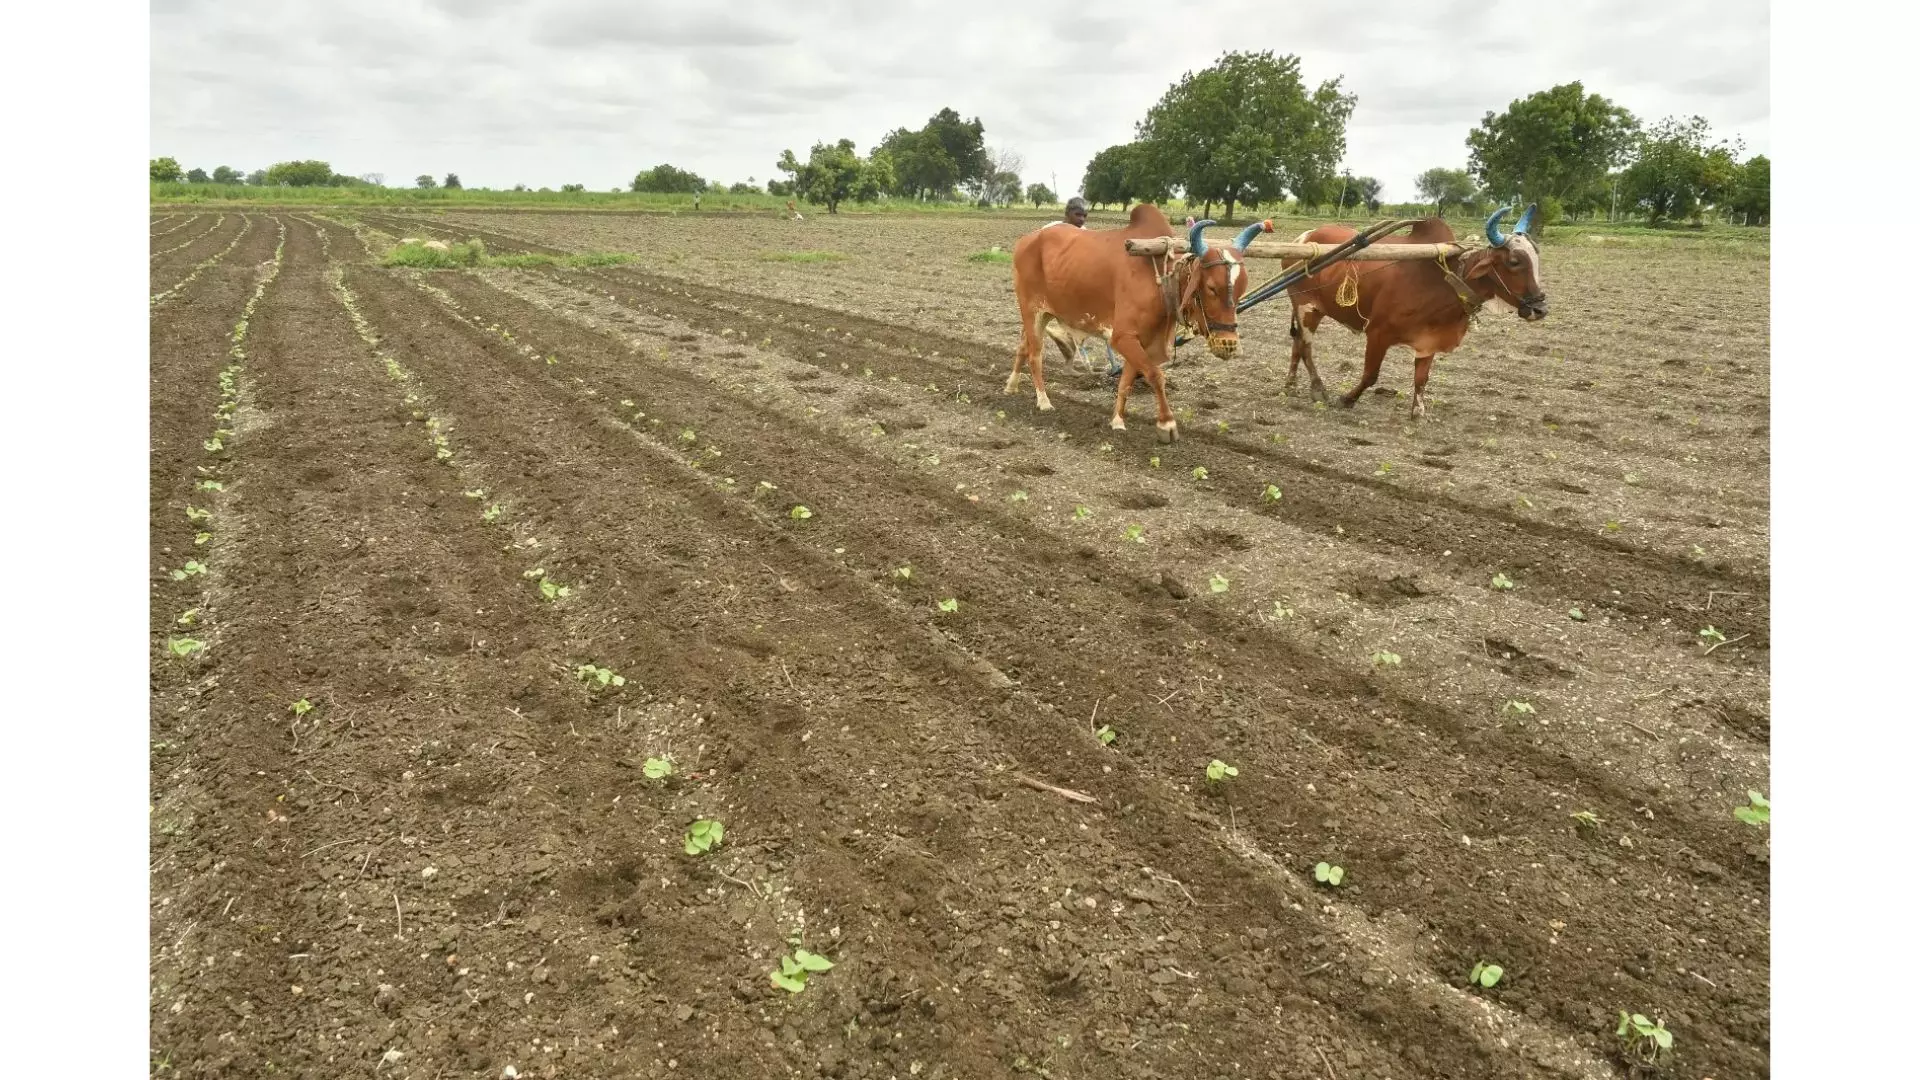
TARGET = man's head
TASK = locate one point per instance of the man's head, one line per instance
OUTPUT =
(1077, 212)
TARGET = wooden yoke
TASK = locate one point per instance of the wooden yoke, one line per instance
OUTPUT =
(1177, 245)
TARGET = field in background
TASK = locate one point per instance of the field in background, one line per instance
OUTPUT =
(1508, 668)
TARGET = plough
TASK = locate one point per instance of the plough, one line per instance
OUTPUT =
(1315, 258)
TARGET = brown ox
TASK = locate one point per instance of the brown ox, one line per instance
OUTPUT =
(1073, 284)
(1426, 305)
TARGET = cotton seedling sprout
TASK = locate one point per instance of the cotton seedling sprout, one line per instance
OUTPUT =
(703, 835)
(1218, 583)
(1329, 874)
(189, 570)
(1485, 974)
(1586, 819)
(799, 513)
(1271, 494)
(1757, 812)
(1645, 1039)
(599, 676)
(1383, 658)
(1137, 534)
(1522, 708)
(1018, 496)
(1081, 513)
(1712, 634)
(657, 768)
(950, 605)
(185, 646)
(1106, 735)
(1218, 771)
(301, 707)
(794, 968)
(1199, 472)
(904, 573)
(1502, 582)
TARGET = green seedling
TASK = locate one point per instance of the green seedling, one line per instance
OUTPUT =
(189, 617)
(1137, 534)
(1329, 874)
(1281, 611)
(626, 403)
(658, 768)
(1611, 526)
(1645, 1039)
(301, 707)
(1199, 472)
(1018, 496)
(1757, 812)
(1218, 583)
(1383, 658)
(1522, 708)
(1081, 513)
(551, 591)
(1385, 468)
(1713, 635)
(1220, 426)
(1106, 735)
(1154, 461)
(476, 493)
(214, 445)
(185, 646)
(1502, 582)
(1699, 552)
(792, 975)
(904, 573)
(189, 570)
(195, 514)
(491, 514)
(210, 485)
(1272, 494)
(1485, 974)
(703, 835)
(1632, 478)
(1218, 770)
(201, 538)
(799, 513)
(687, 435)
(1576, 615)
(1586, 819)
(599, 676)
(950, 605)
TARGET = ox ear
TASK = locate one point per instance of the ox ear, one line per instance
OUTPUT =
(1493, 227)
(1526, 219)
(1197, 236)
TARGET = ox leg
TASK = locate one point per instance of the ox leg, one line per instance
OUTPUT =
(1134, 364)
(1376, 352)
(1168, 430)
(1422, 365)
(1032, 353)
(1305, 325)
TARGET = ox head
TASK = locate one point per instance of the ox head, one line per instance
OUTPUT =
(1215, 284)
(1511, 268)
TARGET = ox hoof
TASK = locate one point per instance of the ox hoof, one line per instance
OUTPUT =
(1040, 402)
(1117, 424)
(1168, 432)
(1013, 384)
(1344, 401)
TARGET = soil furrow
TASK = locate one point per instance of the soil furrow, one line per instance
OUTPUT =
(1025, 645)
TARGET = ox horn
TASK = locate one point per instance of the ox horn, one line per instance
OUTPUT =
(1526, 219)
(1247, 234)
(1493, 227)
(1196, 237)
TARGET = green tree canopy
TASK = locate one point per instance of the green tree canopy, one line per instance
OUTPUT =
(1750, 189)
(425, 180)
(1245, 131)
(197, 176)
(834, 173)
(1352, 191)
(1116, 175)
(163, 170)
(1550, 145)
(1041, 195)
(452, 181)
(300, 174)
(257, 177)
(1675, 172)
(668, 180)
(1443, 187)
(947, 152)
(227, 174)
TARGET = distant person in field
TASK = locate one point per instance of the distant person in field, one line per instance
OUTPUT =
(794, 211)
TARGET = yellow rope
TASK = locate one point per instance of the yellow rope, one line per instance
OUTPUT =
(1348, 294)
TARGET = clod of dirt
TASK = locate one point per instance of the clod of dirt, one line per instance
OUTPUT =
(1172, 586)
(1141, 500)
(1397, 589)
(1520, 664)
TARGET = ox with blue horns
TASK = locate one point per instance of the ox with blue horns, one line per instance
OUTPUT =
(1073, 285)
(1425, 304)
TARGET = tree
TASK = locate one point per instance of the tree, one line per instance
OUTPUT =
(665, 179)
(257, 178)
(227, 174)
(1351, 190)
(1441, 186)
(425, 180)
(1675, 173)
(300, 174)
(1750, 189)
(834, 173)
(573, 187)
(197, 176)
(163, 170)
(1245, 130)
(945, 153)
(373, 179)
(1110, 176)
(1550, 145)
(452, 181)
(1041, 195)
(781, 188)
(1000, 182)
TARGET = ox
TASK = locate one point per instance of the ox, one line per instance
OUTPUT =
(1425, 305)
(1074, 285)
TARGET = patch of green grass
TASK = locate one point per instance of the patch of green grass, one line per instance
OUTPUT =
(991, 255)
(802, 256)
(436, 255)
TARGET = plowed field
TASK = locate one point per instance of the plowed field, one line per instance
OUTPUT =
(950, 671)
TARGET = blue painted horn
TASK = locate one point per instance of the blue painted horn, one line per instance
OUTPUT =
(1493, 227)
(1526, 219)
(1196, 238)
(1247, 234)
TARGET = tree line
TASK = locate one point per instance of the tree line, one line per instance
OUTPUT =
(1247, 132)
(1244, 133)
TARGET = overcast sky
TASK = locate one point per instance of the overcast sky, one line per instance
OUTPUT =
(546, 92)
